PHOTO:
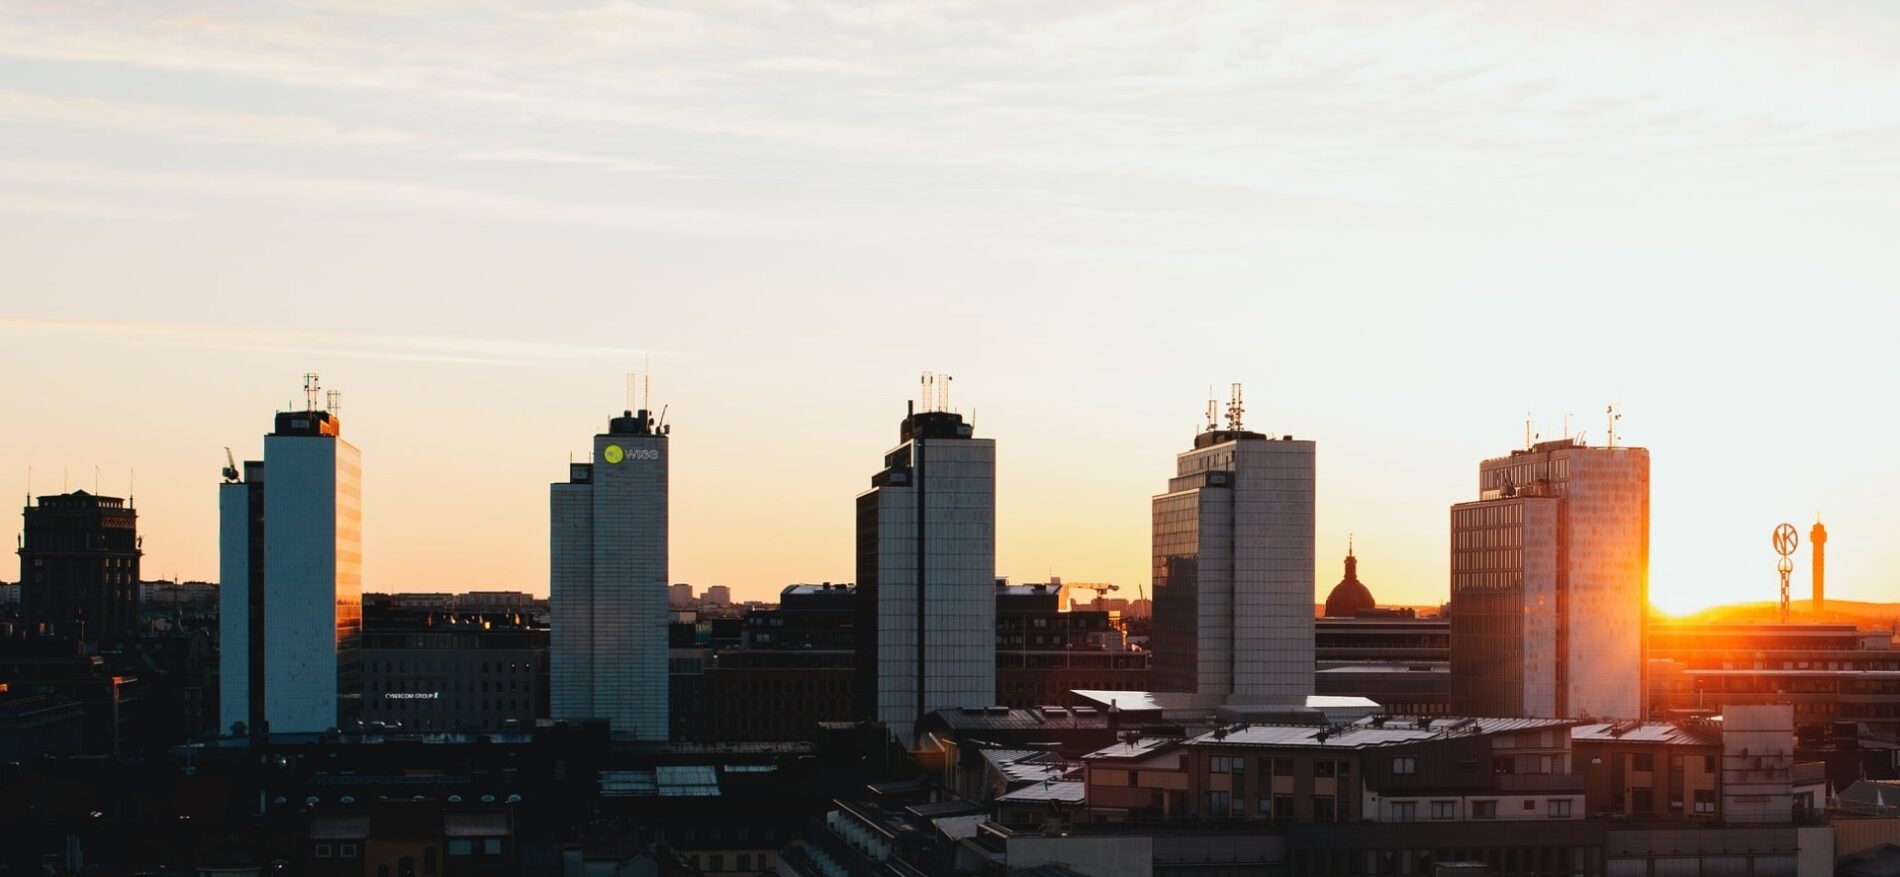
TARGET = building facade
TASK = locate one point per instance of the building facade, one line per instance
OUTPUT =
(1043, 652)
(1827, 673)
(926, 570)
(608, 582)
(1233, 570)
(79, 567)
(291, 568)
(450, 671)
(1550, 584)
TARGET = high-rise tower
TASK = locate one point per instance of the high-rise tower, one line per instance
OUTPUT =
(1550, 585)
(1817, 538)
(926, 622)
(291, 578)
(608, 582)
(1233, 568)
(79, 567)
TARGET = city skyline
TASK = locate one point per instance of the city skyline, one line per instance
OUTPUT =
(1400, 227)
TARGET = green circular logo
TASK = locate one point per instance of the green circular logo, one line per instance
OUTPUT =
(613, 455)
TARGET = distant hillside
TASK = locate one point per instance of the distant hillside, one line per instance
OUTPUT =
(1866, 615)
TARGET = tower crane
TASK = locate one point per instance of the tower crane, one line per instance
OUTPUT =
(230, 467)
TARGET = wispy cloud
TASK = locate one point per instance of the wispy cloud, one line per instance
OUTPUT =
(252, 339)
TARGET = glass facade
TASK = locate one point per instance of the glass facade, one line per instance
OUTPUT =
(927, 575)
(608, 578)
(1233, 571)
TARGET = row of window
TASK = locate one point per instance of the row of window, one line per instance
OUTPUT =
(1407, 811)
(1647, 761)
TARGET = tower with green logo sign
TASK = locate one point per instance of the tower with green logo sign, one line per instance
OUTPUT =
(607, 582)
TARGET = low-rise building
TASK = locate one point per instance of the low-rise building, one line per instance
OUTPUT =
(431, 670)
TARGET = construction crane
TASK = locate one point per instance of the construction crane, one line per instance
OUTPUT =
(230, 467)
(1101, 589)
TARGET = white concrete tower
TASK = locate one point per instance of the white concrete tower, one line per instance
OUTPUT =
(291, 570)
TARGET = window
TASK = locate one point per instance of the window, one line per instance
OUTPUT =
(491, 846)
(1705, 801)
(745, 861)
(461, 846)
(1133, 778)
(1404, 811)
(1642, 761)
(1530, 804)
(1558, 807)
(1283, 767)
(1484, 809)
(1323, 810)
(1283, 806)
(1217, 803)
(1642, 802)
(1708, 764)
(323, 851)
(347, 851)
(1444, 809)
(1323, 768)
(1404, 764)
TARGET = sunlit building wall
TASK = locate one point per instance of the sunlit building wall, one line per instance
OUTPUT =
(1233, 570)
(607, 589)
(1550, 585)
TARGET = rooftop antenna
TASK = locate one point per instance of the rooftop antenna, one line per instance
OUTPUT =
(1527, 429)
(1234, 409)
(333, 402)
(646, 384)
(1212, 409)
(310, 390)
(927, 391)
(943, 394)
(1611, 413)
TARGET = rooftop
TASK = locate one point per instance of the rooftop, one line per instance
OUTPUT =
(1062, 792)
(1689, 733)
(1372, 732)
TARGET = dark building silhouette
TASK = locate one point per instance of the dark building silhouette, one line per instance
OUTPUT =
(1043, 653)
(79, 567)
(427, 670)
(1350, 596)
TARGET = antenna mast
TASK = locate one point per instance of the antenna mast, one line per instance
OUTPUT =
(646, 384)
(310, 390)
(926, 390)
(1234, 409)
(1610, 412)
(333, 401)
(943, 394)
(1212, 409)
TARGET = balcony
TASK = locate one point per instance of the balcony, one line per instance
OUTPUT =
(1540, 782)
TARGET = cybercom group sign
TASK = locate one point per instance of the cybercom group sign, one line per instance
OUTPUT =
(412, 695)
(614, 454)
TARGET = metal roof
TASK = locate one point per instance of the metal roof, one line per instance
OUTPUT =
(1670, 733)
(1066, 792)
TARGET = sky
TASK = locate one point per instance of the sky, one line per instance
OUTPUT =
(1406, 228)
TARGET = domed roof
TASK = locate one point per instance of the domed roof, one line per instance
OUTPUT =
(1350, 596)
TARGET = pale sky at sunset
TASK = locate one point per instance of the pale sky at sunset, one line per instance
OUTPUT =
(1399, 225)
